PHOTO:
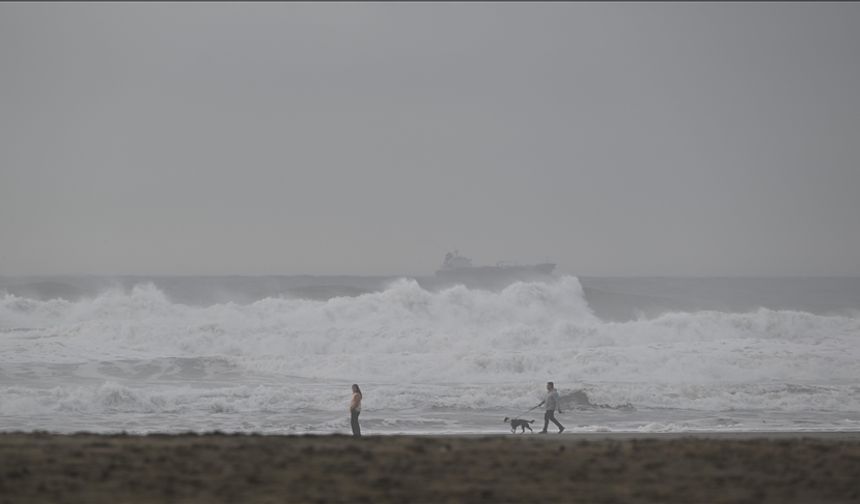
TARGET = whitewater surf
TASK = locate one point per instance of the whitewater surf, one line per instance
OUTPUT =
(456, 360)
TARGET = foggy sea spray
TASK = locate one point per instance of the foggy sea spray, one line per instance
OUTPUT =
(447, 359)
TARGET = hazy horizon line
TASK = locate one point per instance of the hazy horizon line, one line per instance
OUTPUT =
(408, 275)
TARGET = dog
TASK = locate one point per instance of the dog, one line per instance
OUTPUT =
(519, 423)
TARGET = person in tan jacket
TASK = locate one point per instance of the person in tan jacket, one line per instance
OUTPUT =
(355, 410)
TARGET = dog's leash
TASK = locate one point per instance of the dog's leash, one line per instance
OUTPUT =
(526, 411)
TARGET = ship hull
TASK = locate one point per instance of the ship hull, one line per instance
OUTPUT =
(494, 276)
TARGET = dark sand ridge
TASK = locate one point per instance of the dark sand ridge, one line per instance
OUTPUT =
(755, 467)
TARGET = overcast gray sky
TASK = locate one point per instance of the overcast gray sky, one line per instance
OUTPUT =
(371, 138)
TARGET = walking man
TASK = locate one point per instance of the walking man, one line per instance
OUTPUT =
(551, 402)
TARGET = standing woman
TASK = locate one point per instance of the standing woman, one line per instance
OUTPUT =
(355, 410)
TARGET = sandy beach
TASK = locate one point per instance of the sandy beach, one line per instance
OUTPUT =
(215, 467)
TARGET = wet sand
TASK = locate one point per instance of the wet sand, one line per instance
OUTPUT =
(185, 468)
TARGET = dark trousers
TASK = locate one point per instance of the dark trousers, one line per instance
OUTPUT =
(353, 421)
(550, 415)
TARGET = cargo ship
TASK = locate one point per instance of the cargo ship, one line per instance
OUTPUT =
(459, 269)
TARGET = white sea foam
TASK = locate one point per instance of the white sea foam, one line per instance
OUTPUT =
(136, 351)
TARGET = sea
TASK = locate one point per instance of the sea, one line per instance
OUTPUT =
(278, 354)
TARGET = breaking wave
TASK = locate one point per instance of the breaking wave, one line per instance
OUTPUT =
(136, 350)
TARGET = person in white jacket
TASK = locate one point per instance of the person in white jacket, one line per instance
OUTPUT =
(552, 404)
